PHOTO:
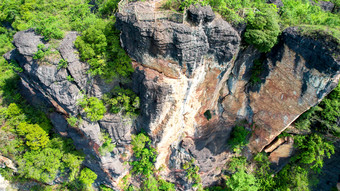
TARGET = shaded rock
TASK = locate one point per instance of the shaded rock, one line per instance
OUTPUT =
(280, 157)
(198, 14)
(325, 5)
(274, 145)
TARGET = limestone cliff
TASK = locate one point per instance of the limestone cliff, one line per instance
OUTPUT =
(183, 70)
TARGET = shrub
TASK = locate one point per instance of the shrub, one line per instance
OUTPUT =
(42, 52)
(263, 28)
(107, 146)
(36, 137)
(207, 115)
(73, 121)
(99, 45)
(241, 181)
(256, 71)
(87, 178)
(122, 101)
(69, 78)
(73, 162)
(144, 153)
(192, 174)
(313, 149)
(93, 107)
(238, 137)
(62, 64)
(40, 165)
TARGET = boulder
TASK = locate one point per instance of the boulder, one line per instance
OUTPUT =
(198, 14)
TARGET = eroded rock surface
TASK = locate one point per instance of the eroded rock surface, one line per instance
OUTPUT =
(44, 79)
(182, 71)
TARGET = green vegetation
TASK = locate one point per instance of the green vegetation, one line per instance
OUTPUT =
(192, 174)
(239, 138)
(87, 178)
(263, 28)
(143, 166)
(62, 64)
(240, 180)
(266, 21)
(300, 173)
(256, 71)
(42, 52)
(36, 138)
(107, 145)
(99, 46)
(122, 101)
(93, 107)
(73, 121)
(69, 78)
(324, 116)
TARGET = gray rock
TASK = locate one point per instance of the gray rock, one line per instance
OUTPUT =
(181, 43)
(198, 14)
(27, 42)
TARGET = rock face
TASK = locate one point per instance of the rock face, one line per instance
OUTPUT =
(213, 73)
(44, 79)
(182, 72)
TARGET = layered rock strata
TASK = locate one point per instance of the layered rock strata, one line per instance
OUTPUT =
(193, 82)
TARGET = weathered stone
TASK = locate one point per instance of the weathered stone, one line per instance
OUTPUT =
(281, 155)
(6, 162)
(270, 148)
(198, 14)
(27, 42)
(181, 72)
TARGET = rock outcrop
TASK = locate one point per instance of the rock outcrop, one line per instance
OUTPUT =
(182, 72)
(44, 79)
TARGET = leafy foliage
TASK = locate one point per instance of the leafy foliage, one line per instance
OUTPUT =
(323, 117)
(297, 12)
(256, 71)
(87, 178)
(40, 165)
(99, 46)
(263, 28)
(263, 173)
(73, 121)
(122, 100)
(35, 136)
(312, 150)
(93, 107)
(192, 174)
(62, 64)
(107, 146)
(42, 52)
(145, 156)
(238, 137)
(240, 180)
(144, 153)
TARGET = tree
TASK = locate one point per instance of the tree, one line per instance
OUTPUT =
(93, 107)
(36, 137)
(87, 178)
(40, 165)
(239, 137)
(263, 28)
(242, 181)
